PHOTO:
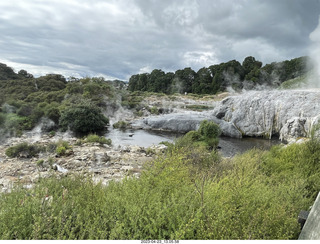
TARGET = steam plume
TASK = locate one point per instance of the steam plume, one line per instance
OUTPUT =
(315, 56)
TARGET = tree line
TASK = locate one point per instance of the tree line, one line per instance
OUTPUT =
(217, 78)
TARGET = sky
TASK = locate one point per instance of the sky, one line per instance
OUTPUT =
(116, 39)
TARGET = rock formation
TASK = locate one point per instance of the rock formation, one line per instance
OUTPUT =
(287, 114)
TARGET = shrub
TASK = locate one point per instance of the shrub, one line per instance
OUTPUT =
(154, 110)
(61, 150)
(83, 118)
(40, 162)
(120, 125)
(205, 136)
(93, 138)
(24, 150)
(209, 129)
(175, 198)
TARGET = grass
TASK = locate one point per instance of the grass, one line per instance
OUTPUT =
(188, 193)
(295, 83)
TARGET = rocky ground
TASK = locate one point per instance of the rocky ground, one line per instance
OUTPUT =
(102, 162)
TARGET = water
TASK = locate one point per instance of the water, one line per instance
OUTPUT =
(227, 146)
(142, 138)
(231, 146)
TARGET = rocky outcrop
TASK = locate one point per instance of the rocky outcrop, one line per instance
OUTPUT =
(177, 122)
(287, 113)
(184, 122)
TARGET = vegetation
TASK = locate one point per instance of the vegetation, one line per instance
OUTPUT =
(295, 83)
(216, 78)
(184, 194)
(24, 150)
(120, 125)
(188, 192)
(93, 138)
(84, 117)
(24, 100)
(207, 136)
(62, 148)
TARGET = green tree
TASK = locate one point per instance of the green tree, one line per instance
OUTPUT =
(183, 80)
(250, 63)
(203, 82)
(84, 118)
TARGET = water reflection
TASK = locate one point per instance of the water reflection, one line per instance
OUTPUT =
(227, 146)
(140, 138)
(231, 146)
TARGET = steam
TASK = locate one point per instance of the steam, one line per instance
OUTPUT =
(314, 36)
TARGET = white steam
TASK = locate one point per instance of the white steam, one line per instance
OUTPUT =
(315, 56)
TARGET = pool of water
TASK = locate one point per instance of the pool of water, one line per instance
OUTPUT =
(227, 146)
(142, 138)
(232, 146)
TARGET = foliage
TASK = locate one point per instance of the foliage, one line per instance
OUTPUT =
(154, 110)
(197, 107)
(24, 150)
(26, 99)
(216, 78)
(62, 148)
(93, 138)
(40, 162)
(185, 194)
(206, 136)
(120, 125)
(295, 83)
(84, 117)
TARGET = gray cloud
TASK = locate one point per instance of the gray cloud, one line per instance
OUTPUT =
(119, 38)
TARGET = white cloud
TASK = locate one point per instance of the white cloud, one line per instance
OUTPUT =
(199, 59)
(123, 37)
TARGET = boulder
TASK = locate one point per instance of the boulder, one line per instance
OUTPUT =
(293, 129)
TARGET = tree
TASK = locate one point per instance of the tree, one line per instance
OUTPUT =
(183, 80)
(84, 118)
(23, 73)
(203, 82)
(7, 73)
(250, 63)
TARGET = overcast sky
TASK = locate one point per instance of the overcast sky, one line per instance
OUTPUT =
(117, 39)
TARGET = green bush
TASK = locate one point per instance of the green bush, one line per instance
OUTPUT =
(24, 150)
(209, 129)
(83, 118)
(61, 150)
(206, 136)
(120, 125)
(93, 138)
(40, 162)
(154, 110)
